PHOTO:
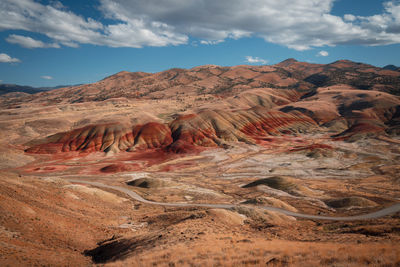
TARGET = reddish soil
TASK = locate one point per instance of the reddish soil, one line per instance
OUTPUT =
(197, 136)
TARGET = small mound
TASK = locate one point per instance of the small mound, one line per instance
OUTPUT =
(348, 202)
(270, 201)
(264, 217)
(276, 182)
(227, 217)
(147, 183)
(314, 150)
(114, 168)
(104, 195)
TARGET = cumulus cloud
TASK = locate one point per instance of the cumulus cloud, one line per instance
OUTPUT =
(7, 59)
(349, 17)
(29, 42)
(69, 29)
(323, 53)
(46, 77)
(297, 24)
(255, 60)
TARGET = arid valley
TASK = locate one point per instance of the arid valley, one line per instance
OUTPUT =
(276, 165)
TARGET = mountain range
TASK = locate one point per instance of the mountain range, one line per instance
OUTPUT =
(230, 104)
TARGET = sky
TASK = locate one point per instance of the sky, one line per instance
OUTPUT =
(66, 42)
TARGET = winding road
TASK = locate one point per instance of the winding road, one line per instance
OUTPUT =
(373, 215)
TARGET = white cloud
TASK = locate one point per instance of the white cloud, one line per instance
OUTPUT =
(323, 53)
(29, 42)
(255, 60)
(349, 17)
(46, 77)
(7, 59)
(210, 42)
(69, 29)
(297, 24)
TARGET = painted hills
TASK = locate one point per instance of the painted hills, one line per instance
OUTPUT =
(308, 138)
(224, 105)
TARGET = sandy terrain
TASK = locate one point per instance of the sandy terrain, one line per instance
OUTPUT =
(221, 143)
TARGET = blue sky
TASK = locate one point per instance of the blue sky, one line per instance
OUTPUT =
(48, 43)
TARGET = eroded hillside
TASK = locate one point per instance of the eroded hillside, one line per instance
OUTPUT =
(138, 167)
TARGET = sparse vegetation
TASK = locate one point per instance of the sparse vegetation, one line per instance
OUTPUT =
(246, 141)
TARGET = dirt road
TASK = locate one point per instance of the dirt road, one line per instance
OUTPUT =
(373, 215)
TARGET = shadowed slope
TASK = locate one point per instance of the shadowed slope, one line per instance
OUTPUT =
(348, 111)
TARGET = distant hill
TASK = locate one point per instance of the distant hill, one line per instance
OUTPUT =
(12, 88)
(218, 82)
(391, 67)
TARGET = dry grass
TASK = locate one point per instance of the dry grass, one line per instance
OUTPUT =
(233, 251)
